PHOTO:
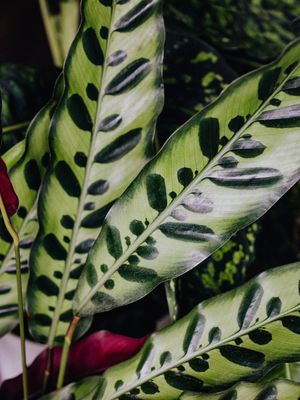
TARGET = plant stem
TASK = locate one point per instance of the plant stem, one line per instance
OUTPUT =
(16, 242)
(170, 288)
(65, 351)
(47, 370)
(15, 127)
(287, 369)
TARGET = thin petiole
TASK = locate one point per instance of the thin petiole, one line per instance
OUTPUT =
(16, 243)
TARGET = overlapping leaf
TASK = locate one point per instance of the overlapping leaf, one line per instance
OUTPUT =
(194, 195)
(101, 136)
(210, 348)
(224, 270)
(25, 172)
(277, 390)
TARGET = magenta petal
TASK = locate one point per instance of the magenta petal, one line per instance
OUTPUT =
(7, 192)
(89, 356)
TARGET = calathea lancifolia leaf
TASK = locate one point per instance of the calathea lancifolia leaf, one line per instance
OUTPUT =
(100, 137)
(224, 270)
(218, 173)
(210, 348)
(280, 389)
(25, 175)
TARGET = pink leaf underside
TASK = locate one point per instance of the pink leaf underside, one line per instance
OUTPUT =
(90, 356)
(7, 192)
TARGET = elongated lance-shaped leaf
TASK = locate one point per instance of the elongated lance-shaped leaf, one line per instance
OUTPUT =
(25, 175)
(209, 348)
(101, 136)
(278, 390)
(194, 195)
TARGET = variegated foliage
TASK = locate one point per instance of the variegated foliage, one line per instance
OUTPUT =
(194, 195)
(100, 137)
(26, 172)
(224, 270)
(209, 348)
(277, 390)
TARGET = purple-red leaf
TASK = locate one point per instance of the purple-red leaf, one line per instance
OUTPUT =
(89, 356)
(7, 192)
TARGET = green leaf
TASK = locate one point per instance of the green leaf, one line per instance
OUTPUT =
(276, 390)
(190, 203)
(26, 170)
(261, 327)
(224, 270)
(81, 390)
(100, 138)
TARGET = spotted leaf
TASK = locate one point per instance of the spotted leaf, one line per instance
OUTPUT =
(26, 163)
(100, 138)
(280, 389)
(196, 363)
(189, 202)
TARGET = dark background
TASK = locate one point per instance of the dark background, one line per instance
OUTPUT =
(22, 35)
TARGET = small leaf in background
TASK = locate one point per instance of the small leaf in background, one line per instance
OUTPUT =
(24, 90)
(247, 33)
(7, 192)
(89, 356)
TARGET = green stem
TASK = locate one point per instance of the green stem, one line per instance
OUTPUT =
(16, 243)
(287, 369)
(170, 288)
(47, 370)
(65, 351)
(15, 127)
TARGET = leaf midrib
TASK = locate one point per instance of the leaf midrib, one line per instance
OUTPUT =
(68, 263)
(206, 350)
(160, 218)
